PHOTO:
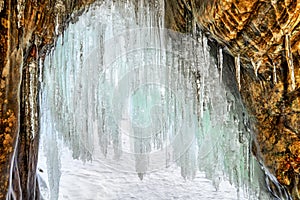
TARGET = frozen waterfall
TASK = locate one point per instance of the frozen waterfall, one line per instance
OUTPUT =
(126, 98)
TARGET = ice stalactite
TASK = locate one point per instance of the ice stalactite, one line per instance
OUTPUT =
(20, 8)
(238, 70)
(120, 85)
(274, 74)
(220, 62)
(289, 58)
(256, 66)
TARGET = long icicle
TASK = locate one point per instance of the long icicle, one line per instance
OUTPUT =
(238, 70)
(221, 63)
(274, 74)
(255, 66)
(289, 59)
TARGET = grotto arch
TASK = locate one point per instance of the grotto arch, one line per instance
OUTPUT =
(77, 85)
(20, 48)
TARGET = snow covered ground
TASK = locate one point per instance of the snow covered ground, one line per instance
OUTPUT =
(96, 180)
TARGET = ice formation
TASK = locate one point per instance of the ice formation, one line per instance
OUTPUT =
(118, 84)
(238, 70)
(289, 59)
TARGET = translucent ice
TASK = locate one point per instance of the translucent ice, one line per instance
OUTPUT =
(119, 85)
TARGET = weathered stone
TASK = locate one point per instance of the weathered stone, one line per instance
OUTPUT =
(27, 28)
(265, 34)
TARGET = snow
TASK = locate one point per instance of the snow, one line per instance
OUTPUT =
(97, 180)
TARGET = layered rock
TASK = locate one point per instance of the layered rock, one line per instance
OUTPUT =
(27, 29)
(264, 35)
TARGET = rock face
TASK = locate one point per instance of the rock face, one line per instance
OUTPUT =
(27, 28)
(263, 34)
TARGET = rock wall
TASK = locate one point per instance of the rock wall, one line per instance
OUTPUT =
(28, 29)
(264, 35)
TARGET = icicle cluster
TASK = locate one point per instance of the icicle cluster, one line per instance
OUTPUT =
(119, 85)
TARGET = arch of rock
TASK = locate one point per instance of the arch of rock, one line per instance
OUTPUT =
(265, 34)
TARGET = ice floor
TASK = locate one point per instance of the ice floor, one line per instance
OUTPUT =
(96, 180)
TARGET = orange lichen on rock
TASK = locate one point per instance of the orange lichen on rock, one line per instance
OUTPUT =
(8, 123)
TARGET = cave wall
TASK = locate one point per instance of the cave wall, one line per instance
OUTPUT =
(263, 36)
(267, 32)
(28, 29)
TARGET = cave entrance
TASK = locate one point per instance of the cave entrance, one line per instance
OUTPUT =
(123, 99)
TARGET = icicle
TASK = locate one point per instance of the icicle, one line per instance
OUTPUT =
(238, 70)
(220, 61)
(57, 25)
(20, 8)
(289, 59)
(274, 74)
(205, 50)
(32, 95)
(256, 66)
